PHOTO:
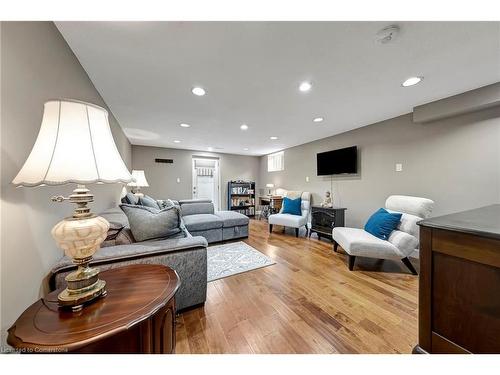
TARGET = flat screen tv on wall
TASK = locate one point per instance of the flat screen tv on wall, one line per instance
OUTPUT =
(341, 161)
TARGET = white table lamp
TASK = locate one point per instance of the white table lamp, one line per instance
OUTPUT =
(269, 186)
(75, 145)
(140, 181)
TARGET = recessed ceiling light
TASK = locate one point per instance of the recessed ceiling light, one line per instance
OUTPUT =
(305, 86)
(210, 149)
(185, 125)
(177, 141)
(273, 138)
(318, 119)
(412, 81)
(245, 149)
(244, 127)
(198, 91)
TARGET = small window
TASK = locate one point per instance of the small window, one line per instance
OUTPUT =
(276, 162)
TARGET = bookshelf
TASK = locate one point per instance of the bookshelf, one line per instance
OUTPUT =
(241, 197)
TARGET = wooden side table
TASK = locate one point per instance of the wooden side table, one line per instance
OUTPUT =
(270, 205)
(136, 316)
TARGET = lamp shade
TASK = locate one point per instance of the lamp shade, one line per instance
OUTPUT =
(74, 145)
(140, 179)
(269, 185)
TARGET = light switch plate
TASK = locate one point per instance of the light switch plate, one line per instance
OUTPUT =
(399, 167)
(178, 180)
(307, 178)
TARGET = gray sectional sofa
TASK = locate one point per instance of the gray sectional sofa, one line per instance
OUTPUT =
(186, 252)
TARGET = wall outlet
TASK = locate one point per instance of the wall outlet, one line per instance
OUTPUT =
(399, 167)
(178, 180)
(307, 178)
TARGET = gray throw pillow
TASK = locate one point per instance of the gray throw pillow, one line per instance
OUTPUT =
(130, 199)
(148, 202)
(147, 223)
(164, 203)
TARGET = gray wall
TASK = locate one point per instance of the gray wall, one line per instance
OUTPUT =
(455, 162)
(36, 65)
(162, 178)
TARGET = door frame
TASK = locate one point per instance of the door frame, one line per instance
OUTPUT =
(217, 180)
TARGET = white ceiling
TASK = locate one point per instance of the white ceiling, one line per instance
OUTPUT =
(251, 71)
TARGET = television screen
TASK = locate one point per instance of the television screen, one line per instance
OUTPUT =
(344, 160)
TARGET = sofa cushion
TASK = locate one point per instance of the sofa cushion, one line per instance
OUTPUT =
(202, 222)
(288, 220)
(359, 242)
(408, 224)
(405, 242)
(421, 207)
(194, 208)
(184, 201)
(232, 219)
(148, 223)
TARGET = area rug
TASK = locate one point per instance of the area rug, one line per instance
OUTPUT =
(234, 258)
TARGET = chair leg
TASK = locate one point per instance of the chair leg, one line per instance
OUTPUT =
(270, 228)
(335, 245)
(408, 264)
(296, 232)
(307, 231)
(352, 258)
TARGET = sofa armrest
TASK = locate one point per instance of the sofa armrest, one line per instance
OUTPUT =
(130, 251)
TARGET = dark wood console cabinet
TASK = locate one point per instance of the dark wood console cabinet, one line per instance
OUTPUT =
(324, 219)
(459, 285)
(136, 316)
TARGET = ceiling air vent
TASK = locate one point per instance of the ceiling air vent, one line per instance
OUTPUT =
(165, 161)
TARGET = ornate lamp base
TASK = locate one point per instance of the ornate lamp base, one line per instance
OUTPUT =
(83, 286)
(80, 237)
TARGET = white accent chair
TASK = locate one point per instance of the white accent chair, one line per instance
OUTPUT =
(400, 244)
(293, 221)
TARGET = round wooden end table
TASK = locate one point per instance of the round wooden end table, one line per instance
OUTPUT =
(136, 316)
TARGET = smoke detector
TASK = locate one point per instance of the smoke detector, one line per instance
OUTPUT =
(387, 34)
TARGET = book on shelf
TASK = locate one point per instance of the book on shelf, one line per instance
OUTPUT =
(250, 211)
(241, 190)
(241, 201)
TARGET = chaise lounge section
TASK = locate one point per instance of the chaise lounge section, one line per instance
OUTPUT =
(201, 219)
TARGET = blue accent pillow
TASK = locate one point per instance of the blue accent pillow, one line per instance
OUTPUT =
(292, 206)
(382, 223)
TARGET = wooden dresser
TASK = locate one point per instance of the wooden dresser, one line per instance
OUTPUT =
(136, 316)
(459, 290)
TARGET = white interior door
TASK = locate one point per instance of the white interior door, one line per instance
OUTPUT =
(206, 180)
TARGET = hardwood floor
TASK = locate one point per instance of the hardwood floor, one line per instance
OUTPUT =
(308, 302)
